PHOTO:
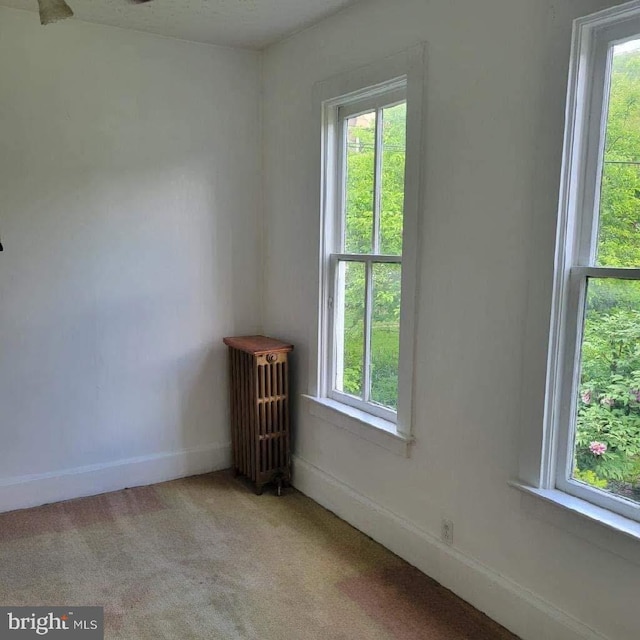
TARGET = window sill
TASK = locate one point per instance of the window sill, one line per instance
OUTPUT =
(375, 430)
(583, 519)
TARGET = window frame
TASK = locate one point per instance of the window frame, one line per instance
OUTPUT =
(577, 235)
(348, 91)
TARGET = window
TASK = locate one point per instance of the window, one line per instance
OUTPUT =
(594, 415)
(366, 257)
(372, 133)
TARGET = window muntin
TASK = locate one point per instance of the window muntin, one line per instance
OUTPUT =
(367, 259)
(597, 415)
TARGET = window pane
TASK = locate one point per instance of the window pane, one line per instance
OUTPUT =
(619, 223)
(360, 173)
(350, 309)
(385, 334)
(392, 188)
(607, 442)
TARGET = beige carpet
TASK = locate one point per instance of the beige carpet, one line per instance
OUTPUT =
(205, 558)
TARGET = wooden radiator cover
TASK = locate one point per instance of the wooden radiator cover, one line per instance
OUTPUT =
(259, 392)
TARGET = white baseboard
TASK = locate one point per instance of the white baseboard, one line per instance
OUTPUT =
(34, 490)
(516, 608)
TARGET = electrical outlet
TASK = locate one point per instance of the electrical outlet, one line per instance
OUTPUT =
(447, 532)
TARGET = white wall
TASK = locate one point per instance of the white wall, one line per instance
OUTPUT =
(129, 203)
(495, 108)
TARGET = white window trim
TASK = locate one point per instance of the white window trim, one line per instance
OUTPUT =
(583, 519)
(405, 68)
(541, 469)
(364, 425)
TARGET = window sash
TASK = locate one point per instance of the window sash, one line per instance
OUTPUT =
(365, 403)
(344, 113)
(576, 303)
(596, 103)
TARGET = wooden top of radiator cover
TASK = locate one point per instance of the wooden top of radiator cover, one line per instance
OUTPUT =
(257, 345)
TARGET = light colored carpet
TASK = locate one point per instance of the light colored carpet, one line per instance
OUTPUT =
(205, 558)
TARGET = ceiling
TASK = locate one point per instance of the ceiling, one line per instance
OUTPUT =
(252, 24)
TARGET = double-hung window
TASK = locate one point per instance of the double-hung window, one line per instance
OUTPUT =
(366, 260)
(595, 358)
(371, 176)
